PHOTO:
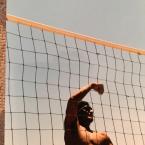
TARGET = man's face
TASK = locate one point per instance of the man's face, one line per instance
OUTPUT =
(86, 113)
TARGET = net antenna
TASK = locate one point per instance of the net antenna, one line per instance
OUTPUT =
(45, 65)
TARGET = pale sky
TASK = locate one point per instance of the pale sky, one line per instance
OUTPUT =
(118, 112)
(119, 21)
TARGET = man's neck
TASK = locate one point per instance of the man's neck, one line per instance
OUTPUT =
(86, 126)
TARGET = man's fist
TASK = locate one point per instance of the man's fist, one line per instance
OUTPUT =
(98, 87)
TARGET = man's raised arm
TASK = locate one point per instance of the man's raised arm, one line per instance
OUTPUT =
(71, 111)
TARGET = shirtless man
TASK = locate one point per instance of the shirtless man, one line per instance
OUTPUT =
(78, 117)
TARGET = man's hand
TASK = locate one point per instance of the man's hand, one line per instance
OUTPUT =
(98, 87)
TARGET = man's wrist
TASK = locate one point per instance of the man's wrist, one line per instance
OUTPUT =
(91, 86)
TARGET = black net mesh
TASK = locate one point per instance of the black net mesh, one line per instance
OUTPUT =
(44, 69)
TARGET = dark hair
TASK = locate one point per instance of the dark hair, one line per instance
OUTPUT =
(81, 104)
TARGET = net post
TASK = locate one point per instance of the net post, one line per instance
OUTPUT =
(2, 67)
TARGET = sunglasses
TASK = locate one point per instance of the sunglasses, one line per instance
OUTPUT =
(85, 108)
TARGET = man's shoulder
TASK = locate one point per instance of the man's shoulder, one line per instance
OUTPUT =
(101, 135)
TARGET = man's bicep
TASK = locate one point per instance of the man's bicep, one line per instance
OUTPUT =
(68, 122)
(71, 113)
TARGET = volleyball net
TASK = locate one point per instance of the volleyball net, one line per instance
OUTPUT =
(45, 65)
